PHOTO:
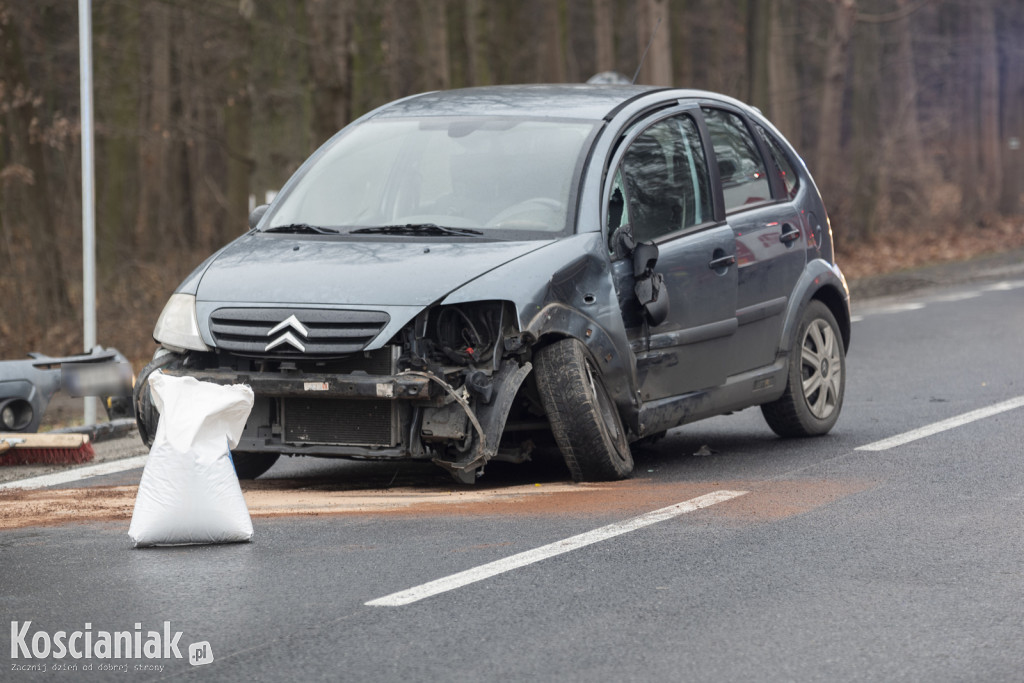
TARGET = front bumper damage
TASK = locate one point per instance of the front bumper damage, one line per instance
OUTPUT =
(408, 414)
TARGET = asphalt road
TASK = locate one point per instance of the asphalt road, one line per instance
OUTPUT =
(837, 563)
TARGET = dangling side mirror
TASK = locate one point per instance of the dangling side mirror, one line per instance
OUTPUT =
(650, 286)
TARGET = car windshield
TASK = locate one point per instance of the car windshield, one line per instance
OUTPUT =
(506, 178)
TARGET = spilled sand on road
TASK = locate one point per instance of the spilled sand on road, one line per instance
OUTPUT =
(765, 502)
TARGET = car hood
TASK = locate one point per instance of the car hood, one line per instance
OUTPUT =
(286, 269)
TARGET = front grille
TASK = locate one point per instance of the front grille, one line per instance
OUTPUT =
(328, 333)
(341, 422)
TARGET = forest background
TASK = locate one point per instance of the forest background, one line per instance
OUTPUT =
(909, 113)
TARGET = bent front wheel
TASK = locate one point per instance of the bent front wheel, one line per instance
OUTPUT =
(583, 417)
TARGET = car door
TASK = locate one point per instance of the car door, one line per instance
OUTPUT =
(771, 248)
(660, 191)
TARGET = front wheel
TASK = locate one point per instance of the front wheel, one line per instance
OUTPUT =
(816, 378)
(583, 417)
(252, 465)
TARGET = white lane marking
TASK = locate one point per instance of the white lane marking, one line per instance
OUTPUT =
(897, 308)
(952, 298)
(486, 571)
(1005, 286)
(856, 318)
(78, 473)
(944, 425)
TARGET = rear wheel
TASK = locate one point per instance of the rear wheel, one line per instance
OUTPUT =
(583, 418)
(817, 378)
(252, 465)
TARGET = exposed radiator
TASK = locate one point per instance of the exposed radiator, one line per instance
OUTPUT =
(340, 422)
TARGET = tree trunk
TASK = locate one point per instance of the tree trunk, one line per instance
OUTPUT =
(117, 140)
(966, 124)
(905, 79)
(653, 28)
(988, 104)
(834, 81)
(783, 89)
(237, 111)
(155, 121)
(1013, 118)
(330, 25)
(550, 56)
(869, 151)
(434, 15)
(759, 15)
(476, 46)
(604, 36)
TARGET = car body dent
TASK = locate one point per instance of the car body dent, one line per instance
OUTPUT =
(565, 290)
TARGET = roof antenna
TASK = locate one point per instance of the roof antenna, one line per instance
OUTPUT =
(646, 49)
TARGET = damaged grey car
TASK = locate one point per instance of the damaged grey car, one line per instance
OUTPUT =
(466, 276)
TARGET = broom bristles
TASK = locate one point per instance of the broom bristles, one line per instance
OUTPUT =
(48, 456)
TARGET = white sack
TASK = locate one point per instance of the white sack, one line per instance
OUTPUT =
(189, 492)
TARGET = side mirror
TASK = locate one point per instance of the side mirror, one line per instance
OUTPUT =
(650, 286)
(645, 256)
(257, 214)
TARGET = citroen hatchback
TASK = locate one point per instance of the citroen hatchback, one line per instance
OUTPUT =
(463, 276)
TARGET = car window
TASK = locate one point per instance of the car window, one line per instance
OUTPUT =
(740, 167)
(781, 164)
(662, 183)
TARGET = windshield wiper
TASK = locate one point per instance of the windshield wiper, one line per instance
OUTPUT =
(417, 229)
(300, 228)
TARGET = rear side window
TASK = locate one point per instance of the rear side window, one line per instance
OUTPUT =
(662, 184)
(781, 164)
(740, 166)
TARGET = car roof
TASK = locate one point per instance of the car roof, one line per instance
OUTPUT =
(577, 101)
(567, 100)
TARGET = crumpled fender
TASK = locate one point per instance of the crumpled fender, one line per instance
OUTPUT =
(559, 320)
(491, 419)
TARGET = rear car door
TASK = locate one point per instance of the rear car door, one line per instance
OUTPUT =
(758, 188)
(660, 190)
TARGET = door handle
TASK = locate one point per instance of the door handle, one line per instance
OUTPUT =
(789, 234)
(722, 262)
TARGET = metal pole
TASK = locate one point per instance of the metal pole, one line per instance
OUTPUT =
(88, 191)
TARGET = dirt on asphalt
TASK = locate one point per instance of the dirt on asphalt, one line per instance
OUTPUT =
(764, 502)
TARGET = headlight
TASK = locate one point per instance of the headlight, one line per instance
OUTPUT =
(177, 328)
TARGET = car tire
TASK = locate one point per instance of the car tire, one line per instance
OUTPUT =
(816, 382)
(252, 465)
(146, 415)
(584, 420)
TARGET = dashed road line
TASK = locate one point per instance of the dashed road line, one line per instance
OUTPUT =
(944, 425)
(486, 571)
(1003, 286)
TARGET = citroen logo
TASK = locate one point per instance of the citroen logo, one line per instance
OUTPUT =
(288, 338)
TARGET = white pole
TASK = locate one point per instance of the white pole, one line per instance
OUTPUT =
(88, 191)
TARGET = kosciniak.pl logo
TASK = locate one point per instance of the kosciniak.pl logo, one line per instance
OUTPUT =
(89, 644)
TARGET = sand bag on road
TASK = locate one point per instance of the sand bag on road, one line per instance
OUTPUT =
(189, 492)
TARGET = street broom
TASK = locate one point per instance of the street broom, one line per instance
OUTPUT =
(44, 449)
